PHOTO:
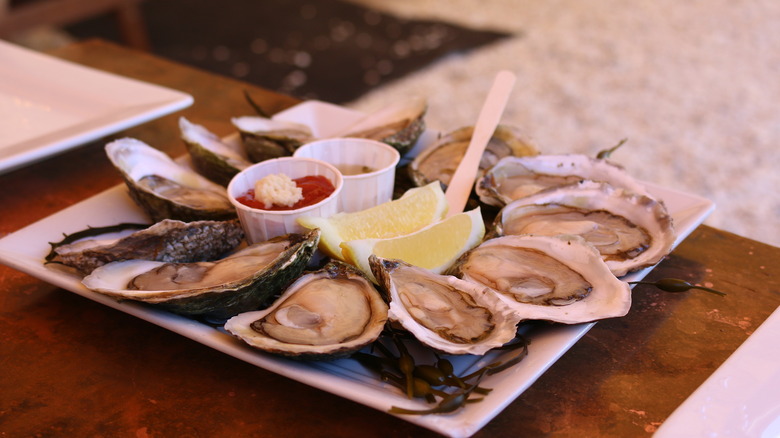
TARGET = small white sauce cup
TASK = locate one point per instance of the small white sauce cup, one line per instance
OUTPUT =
(361, 190)
(261, 225)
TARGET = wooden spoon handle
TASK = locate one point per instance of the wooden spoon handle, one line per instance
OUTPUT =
(462, 181)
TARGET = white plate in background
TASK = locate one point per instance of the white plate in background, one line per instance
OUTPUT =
(25, 250)
(48, 105)
(741, 398)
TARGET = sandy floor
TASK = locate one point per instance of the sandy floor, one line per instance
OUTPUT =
(692, 85)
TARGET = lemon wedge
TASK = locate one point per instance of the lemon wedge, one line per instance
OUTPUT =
(414, 210)
(435, 247)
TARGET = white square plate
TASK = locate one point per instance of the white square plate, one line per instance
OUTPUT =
(25, 250)
(740, 399)
(48, 105)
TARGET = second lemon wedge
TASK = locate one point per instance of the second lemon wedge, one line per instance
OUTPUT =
(416, 209)
(434, 247)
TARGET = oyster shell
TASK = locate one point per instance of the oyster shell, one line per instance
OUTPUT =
(631, 231)
(443, 312)
(166, 241)
(211, 157)
(247, 280)
(439, 160)
(266, 138)
(512, 178)
(399, 124)
(324, 314)
(164, 188)
(561, 279)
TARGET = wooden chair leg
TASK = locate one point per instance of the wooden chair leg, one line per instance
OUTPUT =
(131, 26)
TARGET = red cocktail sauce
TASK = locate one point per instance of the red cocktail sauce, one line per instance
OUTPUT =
(315, 189)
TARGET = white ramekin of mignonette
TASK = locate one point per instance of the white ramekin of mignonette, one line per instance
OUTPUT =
(368, 168)
(269, 196)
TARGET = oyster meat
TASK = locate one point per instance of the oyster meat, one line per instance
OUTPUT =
(247, 280)
(323, 315)
(265, 138)
(166, 241)
(444, 312)
(213, 158)
(513, 178)
(164, 188)
(560, 279)
(631, 231)
(439, 160)
(399, 124)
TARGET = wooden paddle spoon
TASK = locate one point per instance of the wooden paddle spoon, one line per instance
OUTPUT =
(462, 181)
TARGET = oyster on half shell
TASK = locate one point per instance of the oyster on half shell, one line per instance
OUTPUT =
(164, 188)
(265, 138)
(444, 312)
(166, 241)
(512, 178)
(560, 279)
(631, 231)
(323, 315)
(247, 280)
(399, 124)
(213, 158)
(439, 160)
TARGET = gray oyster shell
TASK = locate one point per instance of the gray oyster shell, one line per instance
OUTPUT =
(164, 188)
(630, 230)
(324, 314)
(247, 280)
(444, 312)
(512, 178)
(264, 138)
(399, 124)
(213, 158)
(439, 160)
(166, 241)
(560, 279)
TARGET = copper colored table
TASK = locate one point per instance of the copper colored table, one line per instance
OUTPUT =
(72, 367)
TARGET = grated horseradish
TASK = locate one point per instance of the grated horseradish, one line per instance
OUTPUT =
(277, 189)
